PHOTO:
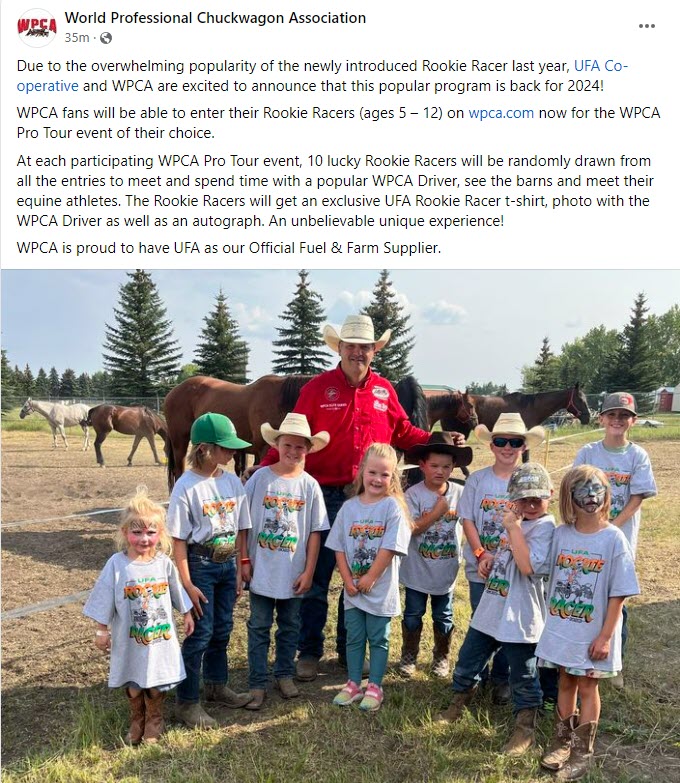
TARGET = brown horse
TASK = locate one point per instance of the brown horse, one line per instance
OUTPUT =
(138, 421)
(534, 408)
(267, 399)
(456, 408)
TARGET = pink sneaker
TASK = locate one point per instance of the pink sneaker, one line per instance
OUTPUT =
(349, 694)
(373, 698)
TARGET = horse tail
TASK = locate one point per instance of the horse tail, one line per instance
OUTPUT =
(412, 398)
(88, 418)
(170, 459)
(157, 422)
(290, 391)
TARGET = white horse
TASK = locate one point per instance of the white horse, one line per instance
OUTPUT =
(60, 416)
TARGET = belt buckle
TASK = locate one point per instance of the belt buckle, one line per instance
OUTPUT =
(222, 552)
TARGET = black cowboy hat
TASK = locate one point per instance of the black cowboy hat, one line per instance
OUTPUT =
(441, 443)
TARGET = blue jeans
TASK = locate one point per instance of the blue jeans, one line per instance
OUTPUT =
(415, 606)
(624, 630)
(259, 627)
(207, 645)
(476, 653)
(314, 609)
(361, 627)
(499, 668)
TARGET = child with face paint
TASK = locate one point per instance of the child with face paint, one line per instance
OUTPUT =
(592, 572)
(629, 471)
(132, 604)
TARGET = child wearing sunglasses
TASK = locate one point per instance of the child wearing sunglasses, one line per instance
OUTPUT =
(481, 507)
(629, 471)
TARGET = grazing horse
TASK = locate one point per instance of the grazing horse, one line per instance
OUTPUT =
(139, 421)
(58, 417)
(268, 399)
(534, 408)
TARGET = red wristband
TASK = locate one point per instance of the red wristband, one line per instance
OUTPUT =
(479, 552)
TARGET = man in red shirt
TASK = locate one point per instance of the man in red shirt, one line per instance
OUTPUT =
(357, 407)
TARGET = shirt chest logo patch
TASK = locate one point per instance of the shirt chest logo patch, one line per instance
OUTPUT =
(331, 393)
(379, 406)
(380, 393)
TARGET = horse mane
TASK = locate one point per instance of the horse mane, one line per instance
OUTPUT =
(446, 399)
(290, 390)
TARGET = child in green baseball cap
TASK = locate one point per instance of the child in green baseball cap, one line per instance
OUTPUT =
(207, 513)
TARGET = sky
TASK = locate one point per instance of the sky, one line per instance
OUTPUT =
(470, 325)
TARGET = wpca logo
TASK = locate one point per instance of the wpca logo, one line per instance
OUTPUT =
(37, 27)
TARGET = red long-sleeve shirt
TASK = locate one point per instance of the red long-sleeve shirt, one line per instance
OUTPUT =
(355, 417)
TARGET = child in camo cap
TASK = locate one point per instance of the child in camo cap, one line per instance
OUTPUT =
(511, 612)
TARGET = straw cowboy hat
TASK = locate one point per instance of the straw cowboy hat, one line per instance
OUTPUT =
(511, 425)
(356, 329)
(295, 424)
(441, 443)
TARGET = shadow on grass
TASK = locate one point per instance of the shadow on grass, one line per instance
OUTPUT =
(307, 739)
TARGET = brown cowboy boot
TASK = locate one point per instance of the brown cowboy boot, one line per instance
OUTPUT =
(136, 730)
(409, 650)
(524, 735)
(154, 725)
(440, 654)
(221, 693)
(559, 751)
(581, 759)
(458, 703)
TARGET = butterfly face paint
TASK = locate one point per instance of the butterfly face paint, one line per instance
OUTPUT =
(589, 495)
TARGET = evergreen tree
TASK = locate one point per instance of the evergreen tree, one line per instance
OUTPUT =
(53, 382)
(633, 367)
(542, 376)
(100, 384)
(68, 384)
(221, 353)
(8, 384)
(392, 361)
(84, 385)
(27, 382)
(42, 384)
(301, 350)
(139, 349)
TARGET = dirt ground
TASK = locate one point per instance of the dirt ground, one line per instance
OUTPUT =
(48, 662)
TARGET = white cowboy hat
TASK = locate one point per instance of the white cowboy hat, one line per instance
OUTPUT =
(295, 424)
(511, 425)
(356, 329)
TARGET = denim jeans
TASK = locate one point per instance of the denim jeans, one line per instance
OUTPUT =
(259, 628)
(415, 606)
(314, 609)
(499, 667)
(624, 630)
(362, 627)
(207, 645)
(475, 654)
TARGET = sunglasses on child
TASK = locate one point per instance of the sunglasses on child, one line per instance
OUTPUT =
(501, 443)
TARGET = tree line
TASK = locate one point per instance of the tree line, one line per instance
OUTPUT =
(142, 358)
(643, 356)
